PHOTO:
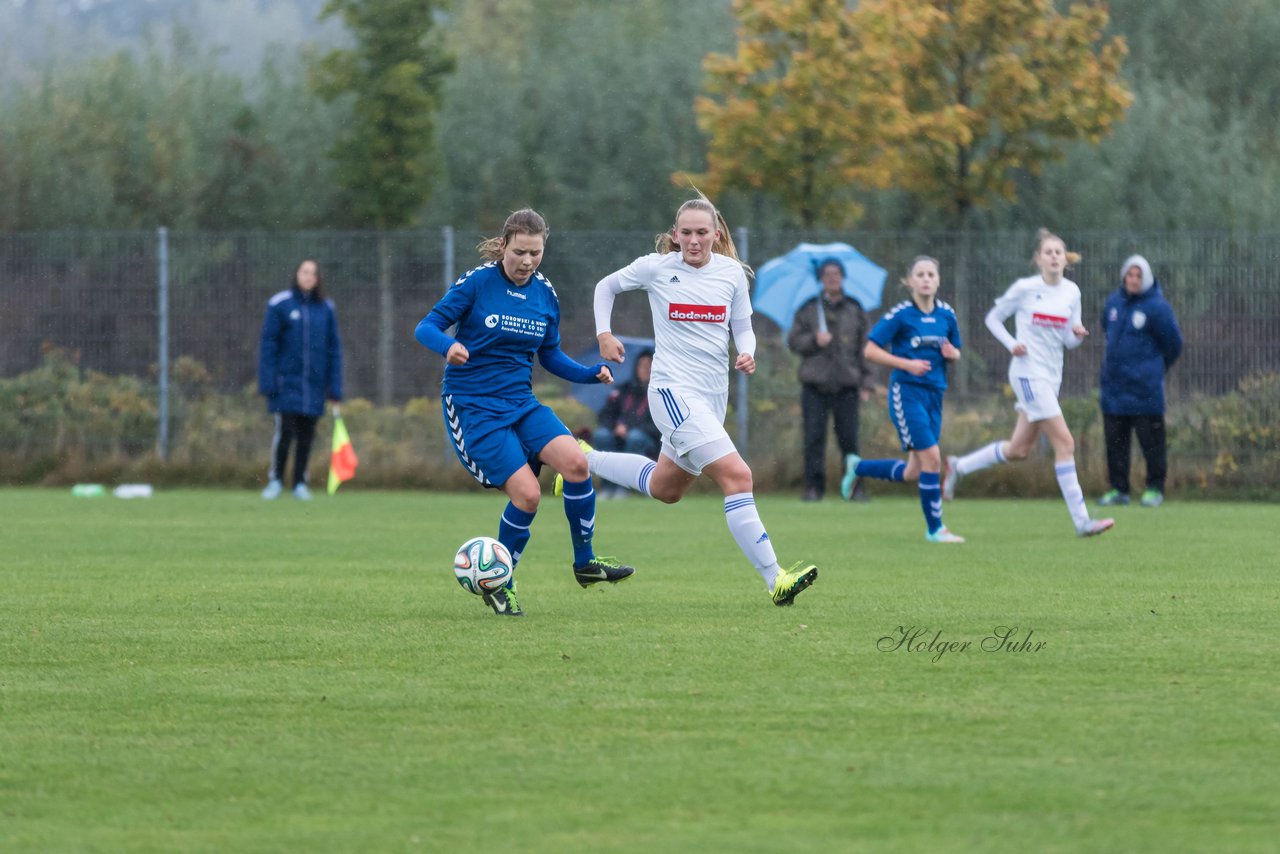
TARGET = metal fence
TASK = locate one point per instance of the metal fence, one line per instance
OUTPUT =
(100, 294)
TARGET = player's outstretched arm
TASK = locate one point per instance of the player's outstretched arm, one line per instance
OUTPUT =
(558, 363)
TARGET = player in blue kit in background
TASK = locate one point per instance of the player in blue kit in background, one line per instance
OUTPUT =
(916, 338)
(506, 312)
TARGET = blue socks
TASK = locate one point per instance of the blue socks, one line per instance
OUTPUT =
(580, 510)
(513, 530)
(931, 500)
(881, 469)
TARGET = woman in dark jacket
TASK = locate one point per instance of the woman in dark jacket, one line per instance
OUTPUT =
(1142, 342)
(299, 367)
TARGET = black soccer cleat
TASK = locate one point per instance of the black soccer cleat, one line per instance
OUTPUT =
(600, 569)
(503, 602)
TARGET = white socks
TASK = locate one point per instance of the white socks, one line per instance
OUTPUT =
(630, 470)
(984, 457)
(748, 532)
(1072, 493)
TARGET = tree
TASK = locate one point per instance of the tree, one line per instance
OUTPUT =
(792, 114)
(394, 73)
(384, 159)
(991, 87)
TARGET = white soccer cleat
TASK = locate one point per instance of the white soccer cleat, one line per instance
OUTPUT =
(951, 476)
(1096, 527)
(942, 535)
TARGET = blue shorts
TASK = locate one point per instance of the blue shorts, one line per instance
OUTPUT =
(916, 413)
(494, 437)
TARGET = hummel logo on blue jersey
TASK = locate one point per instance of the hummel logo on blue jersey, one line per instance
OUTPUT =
(675, 280)
(763, 537)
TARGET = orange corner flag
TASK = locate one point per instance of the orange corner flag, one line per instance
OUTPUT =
(342, 462)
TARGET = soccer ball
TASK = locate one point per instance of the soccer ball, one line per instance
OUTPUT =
(482, 565)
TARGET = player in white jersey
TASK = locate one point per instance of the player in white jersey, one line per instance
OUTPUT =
(1046, 311)
(698, 294)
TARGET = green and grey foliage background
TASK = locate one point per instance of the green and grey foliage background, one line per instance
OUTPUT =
(126, 113)
(118, 116)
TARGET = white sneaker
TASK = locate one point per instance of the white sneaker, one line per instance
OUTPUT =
(272, 491)
(301, 492)
(950, 478)
(1096, 527)
(942, 535)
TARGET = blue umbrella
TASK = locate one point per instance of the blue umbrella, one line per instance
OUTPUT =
(786, 283)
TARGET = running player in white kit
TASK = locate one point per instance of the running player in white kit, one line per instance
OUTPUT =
(1046, 309)
(698, 292)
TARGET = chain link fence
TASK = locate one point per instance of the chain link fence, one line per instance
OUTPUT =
(99, 295)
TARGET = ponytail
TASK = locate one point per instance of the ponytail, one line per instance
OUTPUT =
(523, 221)
(1043, 234)
(665, 242)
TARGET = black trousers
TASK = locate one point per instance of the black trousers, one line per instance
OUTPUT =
(1117, 430)
(816, 406)
(291, 427)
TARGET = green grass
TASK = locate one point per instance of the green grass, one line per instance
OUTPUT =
(206, 671)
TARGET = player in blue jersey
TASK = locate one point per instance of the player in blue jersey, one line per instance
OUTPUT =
(916, 338)
(506, 313)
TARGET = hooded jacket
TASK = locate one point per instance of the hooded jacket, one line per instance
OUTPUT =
(300, 355)
(840, 364)
(1142, 341)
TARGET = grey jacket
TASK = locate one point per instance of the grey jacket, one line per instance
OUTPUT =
(840, 364)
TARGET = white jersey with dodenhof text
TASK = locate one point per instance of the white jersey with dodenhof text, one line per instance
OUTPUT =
(1044, 315)
(692, 307)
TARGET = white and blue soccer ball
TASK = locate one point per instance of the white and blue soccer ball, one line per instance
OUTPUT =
(482, 565)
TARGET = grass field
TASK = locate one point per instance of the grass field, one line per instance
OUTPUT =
(203, 671)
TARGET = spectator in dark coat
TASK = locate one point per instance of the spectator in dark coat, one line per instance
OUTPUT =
(1142, 342)
(299, 367)
(830, 333)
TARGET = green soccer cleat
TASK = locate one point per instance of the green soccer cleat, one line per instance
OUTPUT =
(601, 568)
(850, 479)
(1114, 498)
(503, 602)
(791, 582)
(557, 485)
(1152, 498)
(942, 535)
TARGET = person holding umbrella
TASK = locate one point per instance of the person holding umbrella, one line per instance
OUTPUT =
(829, 333)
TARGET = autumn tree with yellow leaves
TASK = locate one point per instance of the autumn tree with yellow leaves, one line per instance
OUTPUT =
(790, 114)
(945, 99)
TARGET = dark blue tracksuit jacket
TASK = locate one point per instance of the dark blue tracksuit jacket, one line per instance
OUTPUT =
(1142, 341)
(300, 356)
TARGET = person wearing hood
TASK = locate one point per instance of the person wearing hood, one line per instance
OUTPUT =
(299, 368)
(1142, 342)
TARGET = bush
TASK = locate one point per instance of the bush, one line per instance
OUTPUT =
(60, 424)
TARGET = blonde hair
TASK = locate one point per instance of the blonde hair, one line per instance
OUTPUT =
(911, 268)
(523, 221)
(1043, 234)
(666, 243)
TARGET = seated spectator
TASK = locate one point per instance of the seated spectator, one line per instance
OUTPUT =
(625, 424)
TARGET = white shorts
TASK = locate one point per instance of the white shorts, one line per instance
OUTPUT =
(692, 426)
(1037, 397)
